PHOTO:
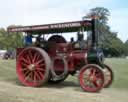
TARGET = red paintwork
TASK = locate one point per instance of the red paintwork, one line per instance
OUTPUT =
(35, 65)
(59, 66)
(18, 50)
(73, 57)
(31, 67)
(92, 75)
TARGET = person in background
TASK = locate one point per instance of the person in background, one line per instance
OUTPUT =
(72, 40)
(28, 40)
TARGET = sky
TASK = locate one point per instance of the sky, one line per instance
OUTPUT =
(34, 12)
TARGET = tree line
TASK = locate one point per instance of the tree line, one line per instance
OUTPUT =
(10, 41)
(108, 40)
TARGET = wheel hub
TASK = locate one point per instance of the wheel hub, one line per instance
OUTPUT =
(91, 78)
(31, 67)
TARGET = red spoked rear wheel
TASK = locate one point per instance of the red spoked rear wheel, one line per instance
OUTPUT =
(91, 78)
(33, 66)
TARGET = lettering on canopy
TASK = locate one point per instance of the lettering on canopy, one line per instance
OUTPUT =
(49, 26)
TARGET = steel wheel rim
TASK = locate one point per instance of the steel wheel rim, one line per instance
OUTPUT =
(91, 79)
(108, 76)
(62, 68)
(31, 67)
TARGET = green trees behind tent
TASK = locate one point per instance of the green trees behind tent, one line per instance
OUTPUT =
(10, 40)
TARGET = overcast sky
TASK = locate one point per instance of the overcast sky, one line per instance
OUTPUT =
(31, 12)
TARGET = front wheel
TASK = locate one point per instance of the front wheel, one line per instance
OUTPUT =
(109, 76)
(91, 78)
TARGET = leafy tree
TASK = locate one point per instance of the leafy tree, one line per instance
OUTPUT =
(108, 40)
(10, 40)
(101, 12)
(126, 48)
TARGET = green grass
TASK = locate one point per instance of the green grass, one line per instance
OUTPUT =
(8, 70)
(120, 69)
(12, 91)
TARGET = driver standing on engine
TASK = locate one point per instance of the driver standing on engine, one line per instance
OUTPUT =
(28, 40)
(81, 43)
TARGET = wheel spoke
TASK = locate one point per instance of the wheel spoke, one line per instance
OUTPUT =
(24, 64)
(40, 74)
(97, 82)
(27, 76)
(29, 59)
(26, 73)
(29, 56)
(36, 57)
(24, 60)
(89, 72)
(42, 64)
(30, 76)
(23, 69)
(38, 62)
(40, 69)
(93, 72)
(37, 75)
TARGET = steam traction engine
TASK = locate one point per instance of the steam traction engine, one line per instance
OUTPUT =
(53, 59)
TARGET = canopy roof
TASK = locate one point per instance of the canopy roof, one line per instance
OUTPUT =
(54, 28)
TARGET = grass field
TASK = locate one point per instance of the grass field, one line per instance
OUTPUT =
(12, 91)
(120, 69)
